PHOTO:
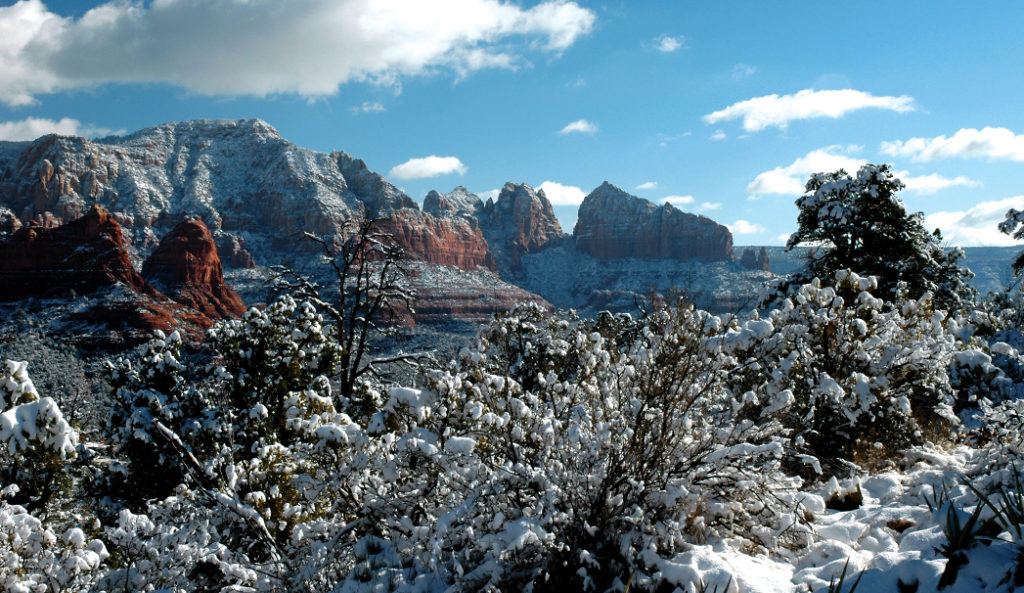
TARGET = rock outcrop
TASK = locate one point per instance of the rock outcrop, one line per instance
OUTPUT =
(445, 241)
(232, 252)
(185, 266)
(460, 203)
(759, 261)
(8, 221)
(82, 256)
(613, 224)
(521, 221)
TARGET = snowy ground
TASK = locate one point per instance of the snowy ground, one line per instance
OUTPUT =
(869, 537)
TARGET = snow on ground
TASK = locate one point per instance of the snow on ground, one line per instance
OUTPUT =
(887, 559)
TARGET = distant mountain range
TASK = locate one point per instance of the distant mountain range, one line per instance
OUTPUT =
(257, 193)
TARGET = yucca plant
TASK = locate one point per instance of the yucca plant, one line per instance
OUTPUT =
(835, 586)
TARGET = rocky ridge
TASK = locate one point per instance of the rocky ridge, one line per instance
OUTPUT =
(87, 256)
(613, 224)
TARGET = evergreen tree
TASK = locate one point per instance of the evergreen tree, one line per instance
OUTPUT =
(866, 228)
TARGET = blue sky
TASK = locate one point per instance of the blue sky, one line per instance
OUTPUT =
(722, 108)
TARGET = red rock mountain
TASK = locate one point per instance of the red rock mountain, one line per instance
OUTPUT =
(520, 222)
(185, 266)
(613, 224)
(445, 241)
(88, 256)
(84, 255)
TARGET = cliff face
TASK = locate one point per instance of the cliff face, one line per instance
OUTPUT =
(521, 221)
(614, 225)
(444, 241)
(83, 256)
(88, 257)
(185, 266)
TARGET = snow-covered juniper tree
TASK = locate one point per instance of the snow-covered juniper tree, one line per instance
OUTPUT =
(863, 226)
(852, 377)
(45, 542)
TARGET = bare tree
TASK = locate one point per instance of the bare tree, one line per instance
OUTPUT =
(373, 293)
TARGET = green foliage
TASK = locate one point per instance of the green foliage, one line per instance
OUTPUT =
(864, 227)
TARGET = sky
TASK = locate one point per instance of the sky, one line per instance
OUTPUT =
(720, 108)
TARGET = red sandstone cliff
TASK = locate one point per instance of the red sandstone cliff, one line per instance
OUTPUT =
(186, 267)
(613, 224)
(445, 241)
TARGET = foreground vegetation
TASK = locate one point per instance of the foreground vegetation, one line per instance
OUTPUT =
(558, 453)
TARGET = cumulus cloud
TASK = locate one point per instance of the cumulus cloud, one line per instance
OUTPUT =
(261, 47)
(931, 183)
(743, 227)
(718, 135)
(993, 143)
(430, 166)
(368, 107)
(775, 110)
(790, 180)
(648, 185)
(976, 225)
(31, 128)
(667, 44)
(677, 200)
(491, 194)
(705, 206)
(581, 125)
(562, 195)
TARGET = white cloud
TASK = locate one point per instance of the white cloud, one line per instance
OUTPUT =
(743, 227)
(31, 128)
(784, 237)
(774, 110)
(648, 185)
(562, 195)
(931, 183)
(993, 143)
(431, 166)
(581, 125)
(705, 206)
(259, 47)
(677, 200)
(667, 44)
(718, 135)
(491, 194)
(368, 107)
(790, 180)
(741, 71)
(976, 225)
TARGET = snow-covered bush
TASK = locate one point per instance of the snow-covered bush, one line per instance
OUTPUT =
(252, 460)
(551, 457)
(43, 546)
(851, 376)
(35, 440)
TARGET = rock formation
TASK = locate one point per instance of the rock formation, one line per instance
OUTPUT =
(185, 266)
(8, 221)
(613, 225)
(460, 203)
(88, 257)
(445, 241)
(521, 221)
(759, 261)
(232, 252)
(82, 256)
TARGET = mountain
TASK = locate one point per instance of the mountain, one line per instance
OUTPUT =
(257, 194)
(613, 224)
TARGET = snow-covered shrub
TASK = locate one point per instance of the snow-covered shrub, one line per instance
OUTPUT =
(851, 376)
(254, 463)
(550, 457)
(43, 546)
(45, 555)
(35, 440)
